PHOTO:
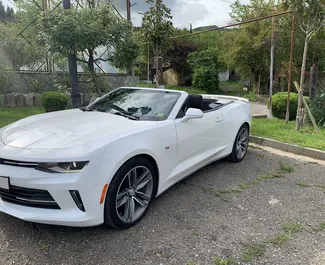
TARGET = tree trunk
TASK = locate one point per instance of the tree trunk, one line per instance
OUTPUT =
(93, 72)
(157, 66)
(258, 83)
(300, 117)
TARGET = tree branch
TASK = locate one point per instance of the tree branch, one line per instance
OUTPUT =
(100, 59)
(80, 60)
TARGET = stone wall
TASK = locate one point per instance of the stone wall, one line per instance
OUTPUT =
(39, 82)
(13, 100)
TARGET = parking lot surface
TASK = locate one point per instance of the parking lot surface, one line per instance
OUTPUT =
(269, 209)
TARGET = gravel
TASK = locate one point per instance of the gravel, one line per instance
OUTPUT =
(206, 215)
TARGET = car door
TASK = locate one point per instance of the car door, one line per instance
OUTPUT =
(199, 140)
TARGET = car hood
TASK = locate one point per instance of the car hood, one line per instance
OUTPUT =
(69, 128)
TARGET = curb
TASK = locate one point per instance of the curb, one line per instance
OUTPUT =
(298, 150)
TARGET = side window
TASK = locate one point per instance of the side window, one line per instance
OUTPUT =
(182, 111)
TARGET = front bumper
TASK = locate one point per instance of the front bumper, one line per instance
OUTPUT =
(58, 186)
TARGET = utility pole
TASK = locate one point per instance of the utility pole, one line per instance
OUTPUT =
(148, 61)
(128, 10)
(290, 68)
(271, 69)
(75, 95)
(159, 68)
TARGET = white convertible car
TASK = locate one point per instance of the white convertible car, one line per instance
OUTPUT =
(104, 163)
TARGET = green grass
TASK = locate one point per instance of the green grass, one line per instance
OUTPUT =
(10, 115)
(292, 228)
(285, 132)
(279, 240)
(252, 251)
(223, 261)
(286, 168)
(303, 185)
(319, 228)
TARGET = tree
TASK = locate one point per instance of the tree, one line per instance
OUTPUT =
(85, 29)
(311, 17)
(156, 28)
(18, 51)
(177, 57)
(246, 49)
(205, 70)
(3, 14)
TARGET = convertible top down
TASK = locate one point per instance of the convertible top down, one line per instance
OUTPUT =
(104, 163)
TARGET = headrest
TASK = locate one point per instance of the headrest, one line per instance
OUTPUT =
(195, 101)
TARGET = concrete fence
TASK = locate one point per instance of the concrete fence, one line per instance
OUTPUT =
(39, 82)
(13, 100)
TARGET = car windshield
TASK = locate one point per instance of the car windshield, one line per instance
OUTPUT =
(138, 104)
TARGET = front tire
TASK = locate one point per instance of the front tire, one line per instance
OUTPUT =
(240, 146)
(130, 193)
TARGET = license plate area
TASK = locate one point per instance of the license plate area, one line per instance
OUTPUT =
(4, 183)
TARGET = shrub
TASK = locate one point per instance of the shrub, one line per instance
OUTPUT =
(206, 79)
(54, 101)
(318, 109)
(251, 96)
(279, 105)
(205, 67)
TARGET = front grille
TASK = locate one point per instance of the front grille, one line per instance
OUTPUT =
(29, 197)
(17, 163)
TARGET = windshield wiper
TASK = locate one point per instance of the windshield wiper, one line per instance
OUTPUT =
(86, 109)
(125, 115)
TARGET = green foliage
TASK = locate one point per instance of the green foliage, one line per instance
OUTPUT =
(205, 70)
(318, 105)
(178, 55)
(157, 26)
(6, 14)
(35, 86)
(206, 79)
(251, 96)
(292, 228)
(247, 48)
(279, 240)
(279, 104)
(54, 101)
(86, 29)
(285, 132)
(252, 251)
(10, 115)
(224, 261)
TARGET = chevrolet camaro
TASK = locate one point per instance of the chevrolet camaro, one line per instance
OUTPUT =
(106, 162)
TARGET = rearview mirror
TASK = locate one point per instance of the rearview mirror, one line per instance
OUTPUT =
(192, 113)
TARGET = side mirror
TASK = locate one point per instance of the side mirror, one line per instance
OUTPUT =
(192, 114)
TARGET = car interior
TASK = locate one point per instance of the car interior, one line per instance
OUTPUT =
(198, 102)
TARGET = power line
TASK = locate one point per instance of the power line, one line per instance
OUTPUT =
(232, 25)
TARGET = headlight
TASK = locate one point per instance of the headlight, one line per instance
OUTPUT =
(66, 167)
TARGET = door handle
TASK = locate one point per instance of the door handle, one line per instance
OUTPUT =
(218, 119)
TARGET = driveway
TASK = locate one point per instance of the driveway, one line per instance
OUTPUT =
(269, 209)
(259, 109)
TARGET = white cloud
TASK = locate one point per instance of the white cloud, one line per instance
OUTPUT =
(198, 12)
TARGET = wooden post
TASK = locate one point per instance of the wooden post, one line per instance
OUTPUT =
(311, 80)
(307, 108)
(290, 68)
(271, 70)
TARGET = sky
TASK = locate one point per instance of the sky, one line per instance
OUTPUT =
(198, 12)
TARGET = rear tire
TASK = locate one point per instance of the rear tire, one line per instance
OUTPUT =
(130, 193)
(240, 146)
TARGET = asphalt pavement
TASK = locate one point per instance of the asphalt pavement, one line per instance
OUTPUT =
(269, 209)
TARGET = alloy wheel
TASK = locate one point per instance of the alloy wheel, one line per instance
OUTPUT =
(134, 194)
(242, 143)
